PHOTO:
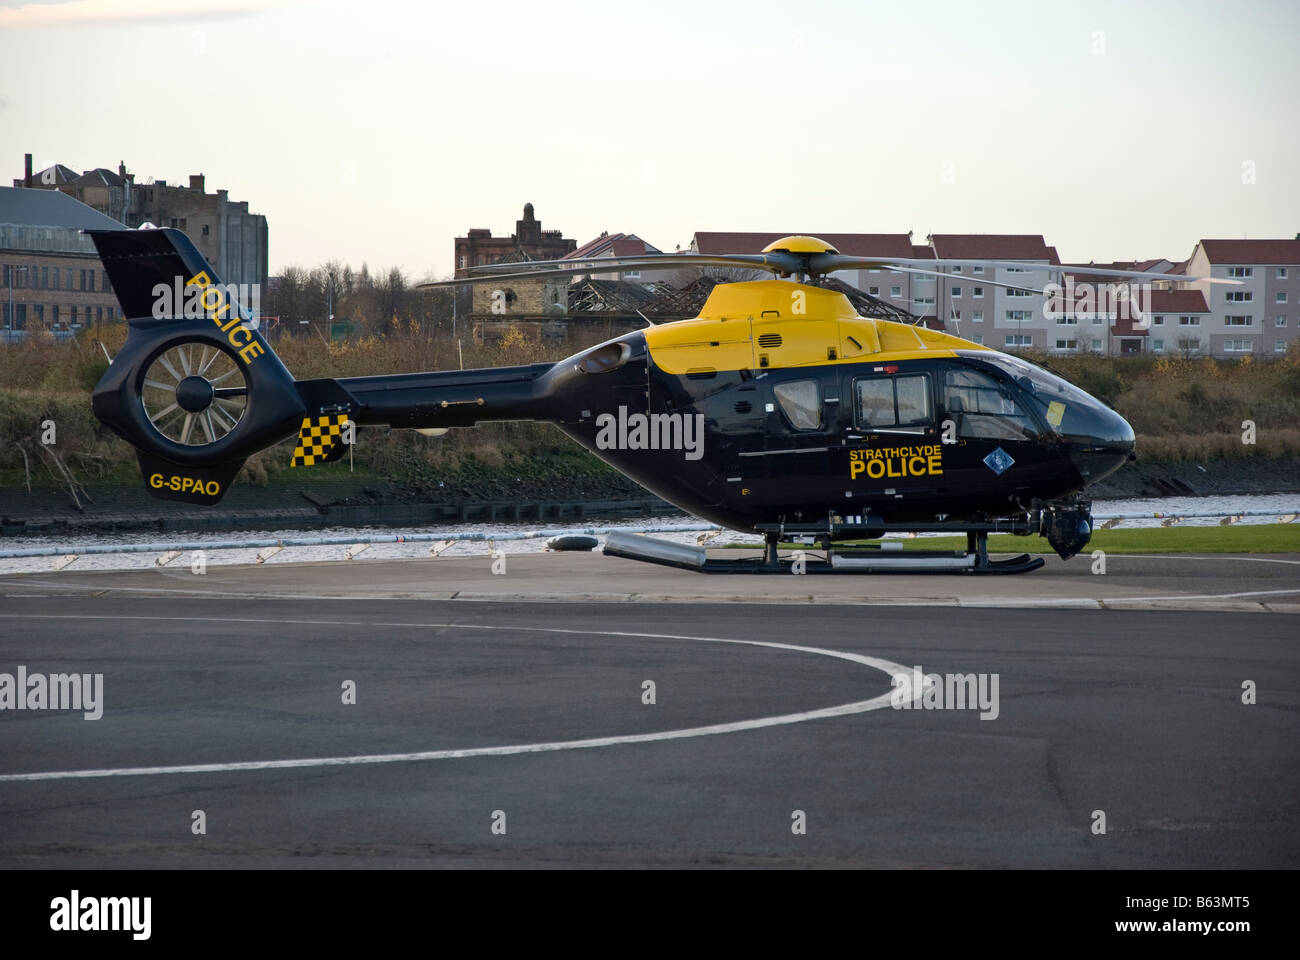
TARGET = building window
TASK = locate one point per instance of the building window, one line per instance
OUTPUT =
(45, 278)
(1281, 273)
(874, 291)
(956, 291)
(1158, 321)
(72, 317)
(631, 274)
(895, 291)
(1020, 316)
(1157, 346)
(1019, 340)
(979, 270)
(1238, 321)
(1279, 346)
(978, 338)
(1238, 296)
(1070, 320)
(979, 291)
(1067, 344)
(956, 269)
(1281, 297)
(977, 316)
(1240, 273)
(1237, 346)
(1189, 321)
(1014, 292)
(464, 262)
(1096, 345)
(1279, 321)
(206, 230)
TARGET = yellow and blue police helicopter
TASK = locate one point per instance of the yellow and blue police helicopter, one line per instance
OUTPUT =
(779, 410)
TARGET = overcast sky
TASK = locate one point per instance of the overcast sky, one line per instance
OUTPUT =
(377, 131)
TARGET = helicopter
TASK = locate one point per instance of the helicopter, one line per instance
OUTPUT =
(779, 410)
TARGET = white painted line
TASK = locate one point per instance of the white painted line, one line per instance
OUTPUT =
(1088, 601)
(1189, 556)
(844, 709)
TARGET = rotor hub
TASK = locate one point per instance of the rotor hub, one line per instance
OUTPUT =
(194, 394)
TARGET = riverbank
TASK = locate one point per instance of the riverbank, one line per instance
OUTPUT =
(561, 487)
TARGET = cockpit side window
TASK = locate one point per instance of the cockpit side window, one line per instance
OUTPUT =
(982, 409)
(897, 403)
(801, 402)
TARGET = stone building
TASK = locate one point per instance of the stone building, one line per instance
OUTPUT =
(230, 238)
(528, 242)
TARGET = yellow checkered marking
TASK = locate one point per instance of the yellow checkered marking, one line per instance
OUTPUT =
(316, 436)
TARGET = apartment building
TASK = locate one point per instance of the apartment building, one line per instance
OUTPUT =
(1258, 317)
(1006, 318)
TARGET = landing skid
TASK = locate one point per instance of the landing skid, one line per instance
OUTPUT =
(871, 559)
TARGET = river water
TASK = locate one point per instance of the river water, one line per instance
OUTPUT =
(1149, 513)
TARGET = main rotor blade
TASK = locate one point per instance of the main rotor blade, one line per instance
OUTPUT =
(980, 282)
(772, 262)
(827, 262)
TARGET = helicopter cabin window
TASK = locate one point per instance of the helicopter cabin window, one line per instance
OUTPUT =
(900, 403)
(801, 402)
(982, 409)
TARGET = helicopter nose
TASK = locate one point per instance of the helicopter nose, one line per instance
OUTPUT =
(1102, 444)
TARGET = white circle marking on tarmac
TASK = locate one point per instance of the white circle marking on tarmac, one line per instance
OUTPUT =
(844, 709)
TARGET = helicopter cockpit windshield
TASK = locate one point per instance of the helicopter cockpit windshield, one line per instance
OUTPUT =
(1069, 410)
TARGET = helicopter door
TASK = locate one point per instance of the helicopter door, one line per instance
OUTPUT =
(888, 447)
(996, 444)
(792, 470)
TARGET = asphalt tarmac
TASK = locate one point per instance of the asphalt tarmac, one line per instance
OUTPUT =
(498, 730)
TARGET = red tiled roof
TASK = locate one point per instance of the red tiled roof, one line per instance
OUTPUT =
(1252, 251)
(922, 253)
(850, 244)
(614, 245)
(993, 246)
(630, 245)
(1178, 301)
(1079, 271)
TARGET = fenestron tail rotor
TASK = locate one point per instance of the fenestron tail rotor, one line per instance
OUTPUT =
(194, 393)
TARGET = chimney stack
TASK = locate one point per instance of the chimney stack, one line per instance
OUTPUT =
(27, 170)
(196, 182)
